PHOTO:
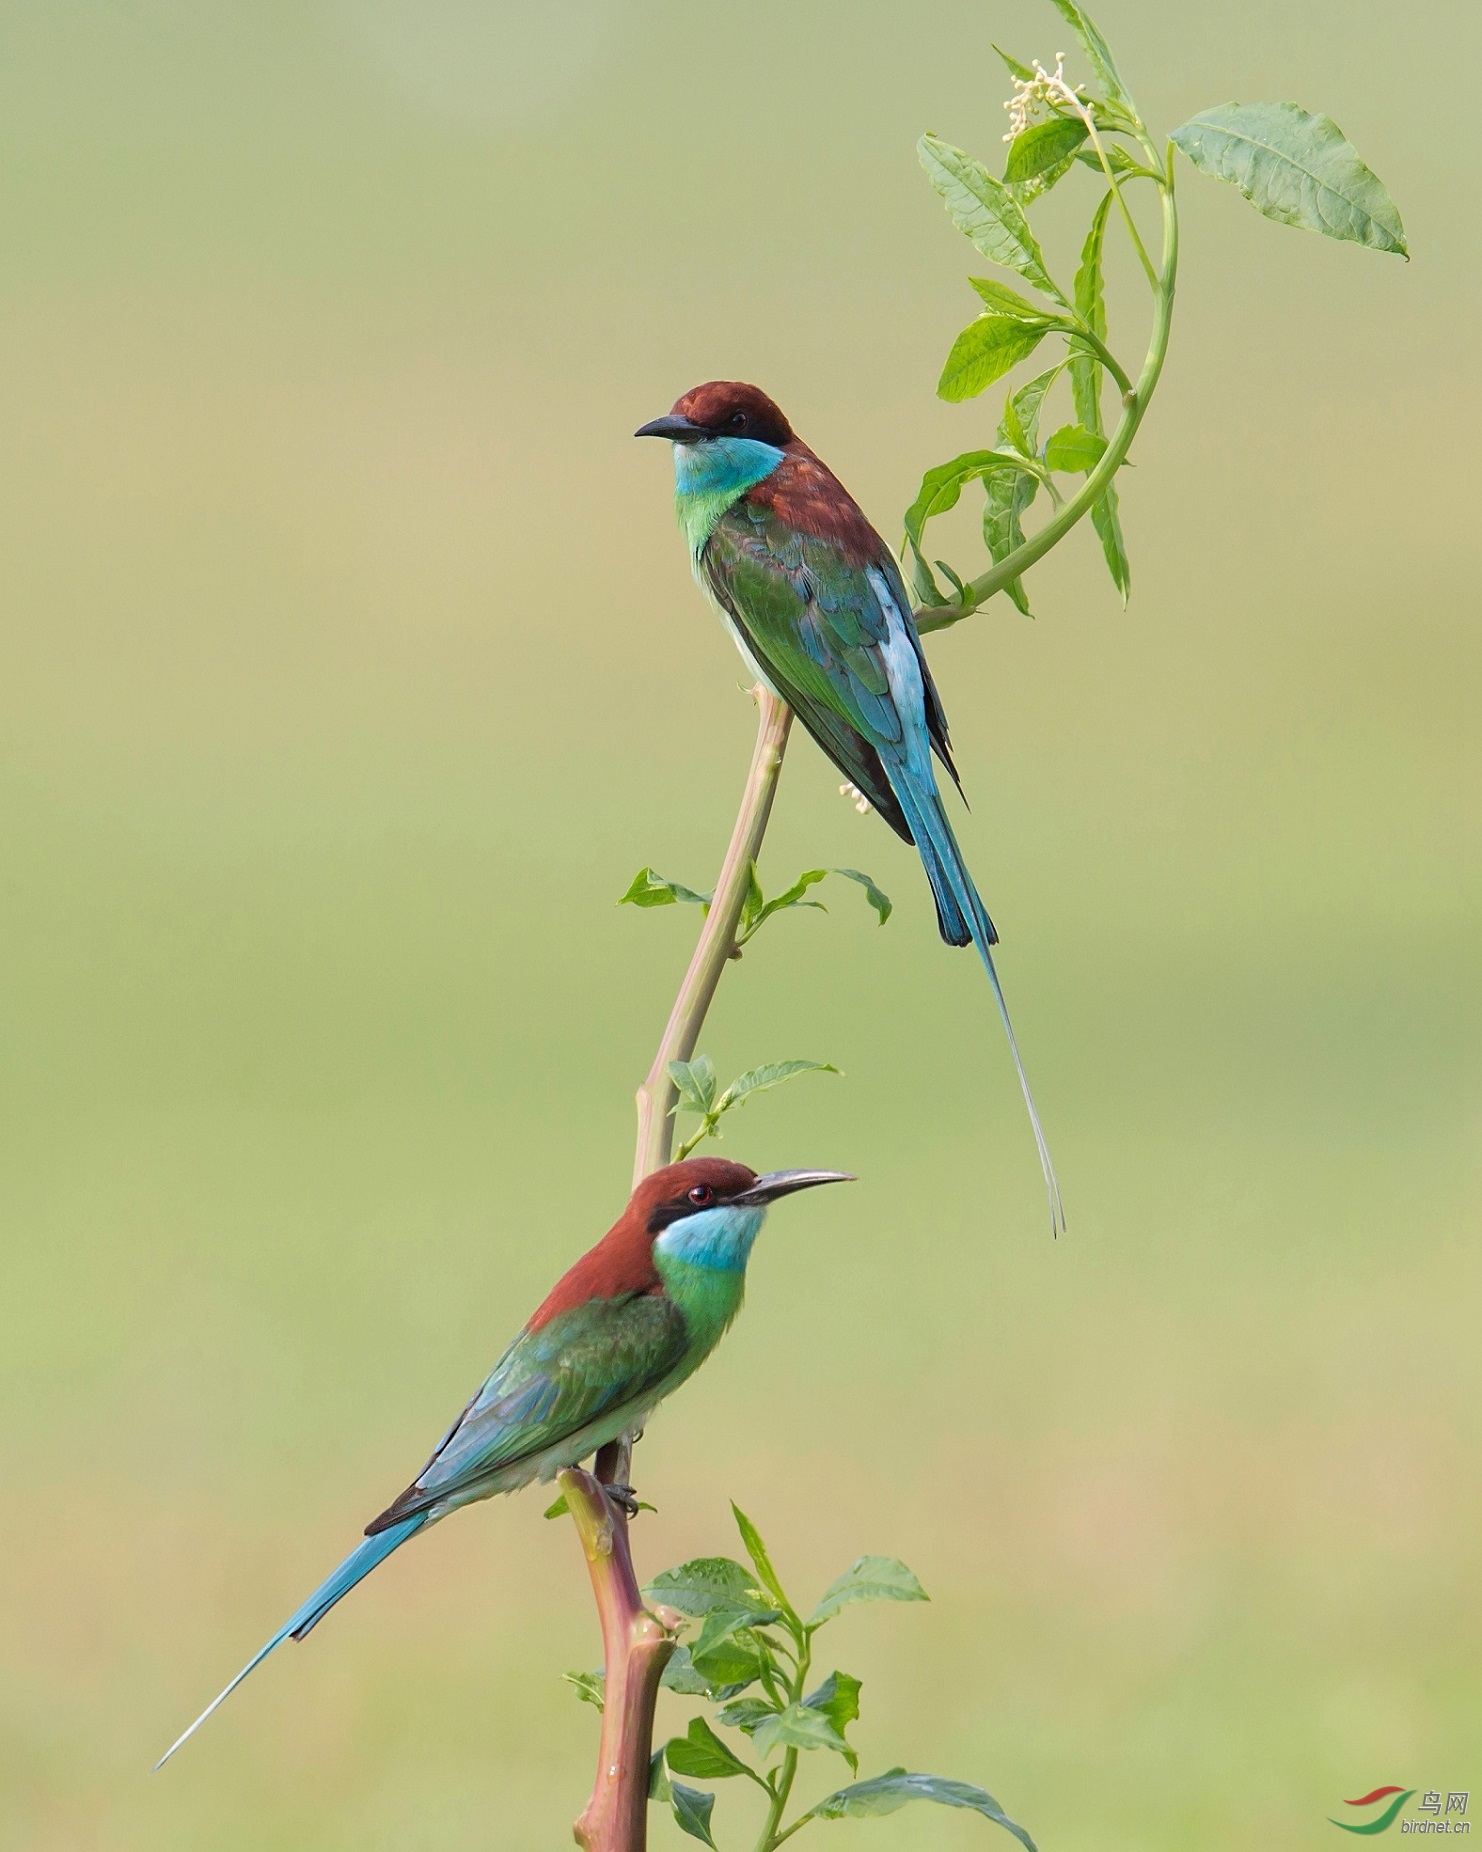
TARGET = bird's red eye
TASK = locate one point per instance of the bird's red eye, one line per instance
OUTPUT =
(701, 1195)
(738, 421)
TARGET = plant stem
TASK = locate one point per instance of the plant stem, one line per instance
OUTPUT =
(770, 1837)
(1134, 404)
(636, 1646)
(717, 941)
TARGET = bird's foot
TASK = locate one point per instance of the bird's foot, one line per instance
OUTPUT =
(626, 1499)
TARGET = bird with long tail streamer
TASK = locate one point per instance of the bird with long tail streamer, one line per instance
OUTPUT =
(620, 1330)
(817, 607)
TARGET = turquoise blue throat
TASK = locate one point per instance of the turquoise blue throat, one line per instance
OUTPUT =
(711, 475)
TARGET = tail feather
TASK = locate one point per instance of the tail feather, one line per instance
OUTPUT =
(356, 1566)
(959, 905)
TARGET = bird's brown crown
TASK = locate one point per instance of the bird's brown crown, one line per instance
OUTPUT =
(731, 408)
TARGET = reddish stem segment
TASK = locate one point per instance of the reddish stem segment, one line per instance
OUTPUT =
(635, 1649)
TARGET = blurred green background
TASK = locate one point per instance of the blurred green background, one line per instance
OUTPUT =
(350, 666)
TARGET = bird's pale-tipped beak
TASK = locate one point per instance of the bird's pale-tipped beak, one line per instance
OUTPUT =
(678, 430)
(777, 1183)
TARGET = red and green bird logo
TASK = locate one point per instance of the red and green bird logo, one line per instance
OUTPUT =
(1382, 1820)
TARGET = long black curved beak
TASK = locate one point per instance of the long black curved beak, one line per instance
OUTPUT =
(777, 1183)
(678, 430)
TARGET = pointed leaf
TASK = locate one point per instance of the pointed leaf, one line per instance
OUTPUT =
(732, 1665)
(558, 1509)
(837, 1698)
(1295, 167)
(1007, 498)
(876, 896)
(1027, 402)
(757, 1551)
(702, 1753)
(751, 906)
(942, 485)
(1117, 159)
(1046, 145)
(1074, 448)
(658, 1780)
(1090, 302)
(694, 1588)
(985, 350)
(692, 1811)
(984, 210)
(1098, 53)
(1002, 300)
(797, 1727)
(590, 1687)
(771, 1074)
(722, 1625)
(1107, 521)
(745, 1713)
(868, 1578)
(885, 1793)
(650, 889)
(680, 1675)
(695, 1081)
(792, 897)
(1020, 72)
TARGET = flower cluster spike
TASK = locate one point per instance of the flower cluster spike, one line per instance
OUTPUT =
(1045, 90)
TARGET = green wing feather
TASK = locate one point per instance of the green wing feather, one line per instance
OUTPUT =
(816, 626)
(551, 1384)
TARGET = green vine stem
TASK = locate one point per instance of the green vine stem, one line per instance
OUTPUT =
(1134, 404)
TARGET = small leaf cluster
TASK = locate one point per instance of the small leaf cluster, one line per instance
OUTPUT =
(648, 888)
(699, 1091)
(752, 1659)
(1292, 165)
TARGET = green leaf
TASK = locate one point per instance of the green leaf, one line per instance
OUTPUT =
(868, 1578)
(984, 210)
(885, 1793)
(1007, 498)
(1295, 167)
(649, 889)
(696, 1083)
(694, 1588)
(1107, 521)
(1090, 302)
(984, 351)
(702, 1753)
(751, 1537)
(680, 1675)
(837, 1698)
(558, 1509)
(658, 1780)
(722, 1625)
(770, 1074)
(752, 904)
(1117, 159)
(745, 1713)
(876, 896)
(942, 485)
(1005, 301)
(1027, 402)
(1021, 72)
(790, 897)
(797, 1727)
(1073, 447)
(732, 1665)
(1098, 54)
(590, 1687)
(1046, 145)
(692, 1811)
